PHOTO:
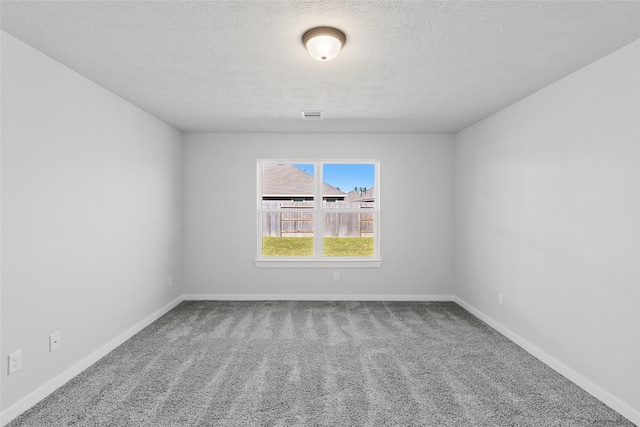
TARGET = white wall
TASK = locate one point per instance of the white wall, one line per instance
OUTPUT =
(547, 202)
(91, 216)
(416, 217)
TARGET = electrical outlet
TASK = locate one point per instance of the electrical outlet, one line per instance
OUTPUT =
(501, 300)
(170, 281)
(336, 275)
(15, 361)
(54, 342)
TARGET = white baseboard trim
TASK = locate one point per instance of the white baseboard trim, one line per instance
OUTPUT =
(315, 297)
(27, 402)
(596, 391)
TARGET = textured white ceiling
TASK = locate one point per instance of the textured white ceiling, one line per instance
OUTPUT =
(407, 66)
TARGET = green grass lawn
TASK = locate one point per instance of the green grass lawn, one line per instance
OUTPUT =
(303, 246)
(287, 246)
(348, 246)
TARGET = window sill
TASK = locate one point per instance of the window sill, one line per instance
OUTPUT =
(324, 263)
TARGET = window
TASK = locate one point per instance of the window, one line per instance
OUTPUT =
(318, 213)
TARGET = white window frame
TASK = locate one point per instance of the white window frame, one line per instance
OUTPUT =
(318, 260)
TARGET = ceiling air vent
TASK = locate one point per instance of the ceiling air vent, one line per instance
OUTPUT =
(312, 115)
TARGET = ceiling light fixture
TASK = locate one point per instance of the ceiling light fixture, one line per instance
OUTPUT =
(324, 43)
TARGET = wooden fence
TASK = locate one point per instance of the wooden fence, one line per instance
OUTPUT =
(300, 224)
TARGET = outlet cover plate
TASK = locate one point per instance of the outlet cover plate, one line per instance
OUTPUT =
(15, 361)
(54, 341)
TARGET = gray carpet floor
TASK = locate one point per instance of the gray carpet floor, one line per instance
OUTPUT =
(270, 363)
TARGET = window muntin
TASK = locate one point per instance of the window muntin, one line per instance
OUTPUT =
(324, 224)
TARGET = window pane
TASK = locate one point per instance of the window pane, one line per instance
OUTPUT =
(348, 234)
(348, 185)
(286, 185)
(287, 234)
(318, 210)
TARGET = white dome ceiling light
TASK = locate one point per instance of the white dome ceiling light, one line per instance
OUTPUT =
(324, 43)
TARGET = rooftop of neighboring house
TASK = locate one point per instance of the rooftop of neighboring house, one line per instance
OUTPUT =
(367, 195)
(287, 180)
